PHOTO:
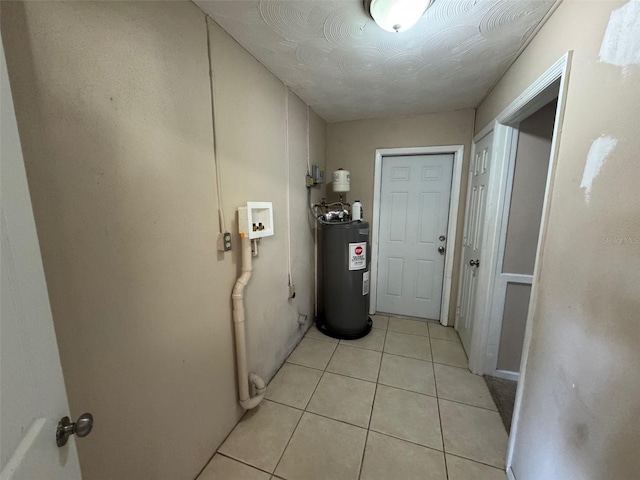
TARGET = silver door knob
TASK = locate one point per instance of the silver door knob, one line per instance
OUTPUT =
(441, 249)
(474, 263)
(66, 428)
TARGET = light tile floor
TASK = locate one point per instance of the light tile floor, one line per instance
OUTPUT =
(397, 404)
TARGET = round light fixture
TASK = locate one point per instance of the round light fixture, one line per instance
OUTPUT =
(397, 15)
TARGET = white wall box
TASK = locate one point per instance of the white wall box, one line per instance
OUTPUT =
(256, 219)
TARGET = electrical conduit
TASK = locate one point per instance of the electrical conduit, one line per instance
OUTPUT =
(244, 378)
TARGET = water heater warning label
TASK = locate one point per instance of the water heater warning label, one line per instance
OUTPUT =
(357, 256)
(365, 283)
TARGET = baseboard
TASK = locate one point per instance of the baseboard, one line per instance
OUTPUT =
(510, 475)
(505, 374)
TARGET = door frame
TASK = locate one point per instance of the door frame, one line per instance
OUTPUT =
(458, 156)
(499, 282)
(505, 128)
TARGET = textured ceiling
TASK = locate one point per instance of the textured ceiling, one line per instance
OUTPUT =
(334, 57)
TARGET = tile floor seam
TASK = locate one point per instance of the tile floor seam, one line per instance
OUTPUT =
(435, 383)
(466, 369)
(361, 348)
(349, 376)
(475, 461)
(334, 419)
(224, 440)
(414, 358)
(447, 340)
(402, 356)
(307, 366)
(415, 319)
(469, 405)
(377, 382)
(447, 364)
(412, 442)
(284, 405)
(401, 388)
(406, 390)
(322, 415)
(226, 455)
(408, 333)
(319, 339)
(305, 408)
(373, 402)
(328, 418)
(246, 411)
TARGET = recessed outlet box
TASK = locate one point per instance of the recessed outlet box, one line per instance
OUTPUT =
(256, 219)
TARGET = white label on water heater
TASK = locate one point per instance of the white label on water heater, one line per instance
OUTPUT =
(365, 283)
(357, 256)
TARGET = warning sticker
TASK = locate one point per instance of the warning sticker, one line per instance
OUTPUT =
(365, 283)
(357, 256)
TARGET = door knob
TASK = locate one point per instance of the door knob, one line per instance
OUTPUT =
(474, 263)
(441, 250)
(442, 238)
(66, 428)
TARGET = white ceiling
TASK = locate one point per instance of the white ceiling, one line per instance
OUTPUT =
(334, 57)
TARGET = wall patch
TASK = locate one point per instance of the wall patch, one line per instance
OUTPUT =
(621, 43)
(596, 158)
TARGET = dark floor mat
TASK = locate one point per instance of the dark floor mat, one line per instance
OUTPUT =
(504, 394)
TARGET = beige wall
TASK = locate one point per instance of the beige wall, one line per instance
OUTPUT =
(525, 211)
(352, 146)
(251, 120)
(112, 101)
(582, 389)
(514, 322)
(527, 195)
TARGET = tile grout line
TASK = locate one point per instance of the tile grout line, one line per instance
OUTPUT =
(226, 455)
(377, 382)
(384, 385)
(368, 428)
(457, 455)
(412, 442)
(387, 353)
(373, 402)
(435, 382)
(392, 331)
(305, 408)
(322, 415)
(222, 443)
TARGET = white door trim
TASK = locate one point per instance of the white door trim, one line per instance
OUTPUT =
(504, 126)
(458, 156)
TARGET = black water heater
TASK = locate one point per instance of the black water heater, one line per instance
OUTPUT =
(345, 256)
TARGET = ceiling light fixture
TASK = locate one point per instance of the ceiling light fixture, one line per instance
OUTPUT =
(397, 15)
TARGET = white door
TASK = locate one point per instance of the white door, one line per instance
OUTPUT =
(414, 213)
(33, 393)
(472, 237)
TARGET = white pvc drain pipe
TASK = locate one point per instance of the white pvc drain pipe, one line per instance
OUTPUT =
(244, 379)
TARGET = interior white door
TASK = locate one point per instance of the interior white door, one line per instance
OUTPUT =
(33, 393)
(472, 237)
(414, 213)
